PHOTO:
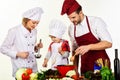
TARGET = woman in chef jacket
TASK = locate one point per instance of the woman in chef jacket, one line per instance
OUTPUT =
(88, 35)
(59, 48)
(21, 41)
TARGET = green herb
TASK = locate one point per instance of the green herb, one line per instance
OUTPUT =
(106, 74)
(43, 75)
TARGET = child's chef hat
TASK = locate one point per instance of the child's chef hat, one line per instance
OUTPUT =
(33, 14)
(57, 28)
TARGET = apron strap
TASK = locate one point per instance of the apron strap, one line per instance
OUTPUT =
(88, 23)
(74, 30)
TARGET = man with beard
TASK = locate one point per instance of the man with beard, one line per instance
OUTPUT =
(88, 35)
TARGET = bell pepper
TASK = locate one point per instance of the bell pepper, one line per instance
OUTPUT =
(29, 71)
(25, 76)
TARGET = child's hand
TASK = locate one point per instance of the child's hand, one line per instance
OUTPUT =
(44, 65)
(45, 62)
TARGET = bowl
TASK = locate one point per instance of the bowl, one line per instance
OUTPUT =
(63, 69)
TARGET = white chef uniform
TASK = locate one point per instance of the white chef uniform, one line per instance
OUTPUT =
(55, 56)
(57, 28)
(20, 39)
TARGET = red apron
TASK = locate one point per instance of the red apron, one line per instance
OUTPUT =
(89, 58)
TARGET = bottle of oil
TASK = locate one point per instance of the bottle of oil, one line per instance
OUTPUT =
(116, 66)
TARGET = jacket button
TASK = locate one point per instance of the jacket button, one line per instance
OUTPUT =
(28, 44)
(28, 61)
(25, 36)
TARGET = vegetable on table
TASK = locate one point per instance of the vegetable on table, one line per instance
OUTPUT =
(19, 73)
(23, 73)
(34, 76)
(106, 74)
(29, 71)
(25, 76)
(101, 71)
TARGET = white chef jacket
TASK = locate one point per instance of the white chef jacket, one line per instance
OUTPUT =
(56, 57)
(98, 29)
(19, 39)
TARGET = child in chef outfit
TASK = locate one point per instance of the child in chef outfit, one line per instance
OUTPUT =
(59, 48)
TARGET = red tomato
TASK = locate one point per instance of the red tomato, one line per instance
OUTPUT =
(75, 77)
(29, 71)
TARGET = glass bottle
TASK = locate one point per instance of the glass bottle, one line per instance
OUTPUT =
(116, 66)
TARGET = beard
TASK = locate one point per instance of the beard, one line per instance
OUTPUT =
(76, 22)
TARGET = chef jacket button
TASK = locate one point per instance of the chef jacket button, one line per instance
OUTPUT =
(28, 61)
(28, 44)
(32, 61)
(32, 52)
(30, 36)
(25, 36)
(32, 44)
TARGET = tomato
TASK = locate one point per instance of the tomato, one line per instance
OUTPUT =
(29, 71)
(75, 77)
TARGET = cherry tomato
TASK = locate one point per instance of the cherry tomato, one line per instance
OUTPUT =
(75, 77)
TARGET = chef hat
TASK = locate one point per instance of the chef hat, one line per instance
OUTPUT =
(33, 14)
(57, 28)
(69, 6)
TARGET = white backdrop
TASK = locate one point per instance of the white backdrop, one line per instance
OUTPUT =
(11, 11)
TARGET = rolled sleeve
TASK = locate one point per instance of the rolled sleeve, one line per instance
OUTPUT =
(102, 32)
(48, 55)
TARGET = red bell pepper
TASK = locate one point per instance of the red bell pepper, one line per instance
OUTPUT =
(29, 71)
(25, 76)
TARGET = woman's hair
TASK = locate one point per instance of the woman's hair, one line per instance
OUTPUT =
(24, 21)
(79, 9)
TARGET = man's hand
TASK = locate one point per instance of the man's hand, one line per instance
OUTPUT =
(82, 50)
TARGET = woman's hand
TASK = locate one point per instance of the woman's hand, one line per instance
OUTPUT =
(38, 46)
(23, 55)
